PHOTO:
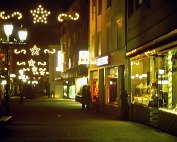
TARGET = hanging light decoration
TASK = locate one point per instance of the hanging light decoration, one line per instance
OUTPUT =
(42, 64)
(64, 16)
(35, 50)
(31, 63)
(49, 51)
(16, 51)
(14, 14)
(40, 15)
(21, 63)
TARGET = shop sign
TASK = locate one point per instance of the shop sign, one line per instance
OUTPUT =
(59, 61)
(83, 57)
(102, 61)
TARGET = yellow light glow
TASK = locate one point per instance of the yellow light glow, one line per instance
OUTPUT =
(49, 51)
(21, 63)
(43, 64)
(35, 50)
(16, 51)
(14, 14)
(40, 15)
(63, 16)
(59, 61)
(26, 69)
(31, 62)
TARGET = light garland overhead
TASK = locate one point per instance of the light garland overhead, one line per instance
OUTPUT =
(26, 69)
(16, 51)
(50, 52)
(14, 14)
(40, 63)
(21, 63)
(40, 15)
(35, 50)
(31, 62)
(64, 16)
(42, 71)
(34, 69)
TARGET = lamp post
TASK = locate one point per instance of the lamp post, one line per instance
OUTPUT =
(21, 77)
(6, 45)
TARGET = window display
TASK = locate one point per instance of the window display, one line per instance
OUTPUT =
(153, 80)
(112, 85)
(94, 86)
(140, 80)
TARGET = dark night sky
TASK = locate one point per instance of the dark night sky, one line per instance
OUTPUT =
(38, 33)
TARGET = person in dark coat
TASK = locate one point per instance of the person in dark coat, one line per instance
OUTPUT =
(125, 106)
(88, 98)
(84, 97)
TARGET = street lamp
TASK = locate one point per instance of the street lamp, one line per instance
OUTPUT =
(8, 30)
(22, 34)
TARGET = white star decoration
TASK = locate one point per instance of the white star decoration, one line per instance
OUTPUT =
(31, 62)
(40, 15)
(35, 50)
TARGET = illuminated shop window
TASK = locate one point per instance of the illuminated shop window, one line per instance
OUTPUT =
(153, 80)
(112, 85)
(94, 86)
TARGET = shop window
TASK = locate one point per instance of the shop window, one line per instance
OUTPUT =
(153, 80)
(113, 90)
(140, 81)
(94, 86)
(94, 90)
(112, 86)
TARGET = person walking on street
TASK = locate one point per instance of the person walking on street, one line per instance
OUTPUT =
(125, 106)
(88, 98)
(84, 98)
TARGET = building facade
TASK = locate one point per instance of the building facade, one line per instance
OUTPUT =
(74, 40)
(151, 48)
(107, 70)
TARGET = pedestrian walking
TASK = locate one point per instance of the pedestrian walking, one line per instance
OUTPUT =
(88, 98)
(125, 106)
(84, 98)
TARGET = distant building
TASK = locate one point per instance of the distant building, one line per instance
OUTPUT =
(73, 39)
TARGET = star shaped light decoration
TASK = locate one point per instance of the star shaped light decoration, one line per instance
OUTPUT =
(40, 15)
(35, 50)
(31, 63)
(34, 69)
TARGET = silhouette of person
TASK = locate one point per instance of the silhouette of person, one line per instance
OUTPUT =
(88, 97)
(125, 106)
(84, 97)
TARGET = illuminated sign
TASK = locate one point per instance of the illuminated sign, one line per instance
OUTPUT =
(59, 62)
(83, 57)
(102, 61)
